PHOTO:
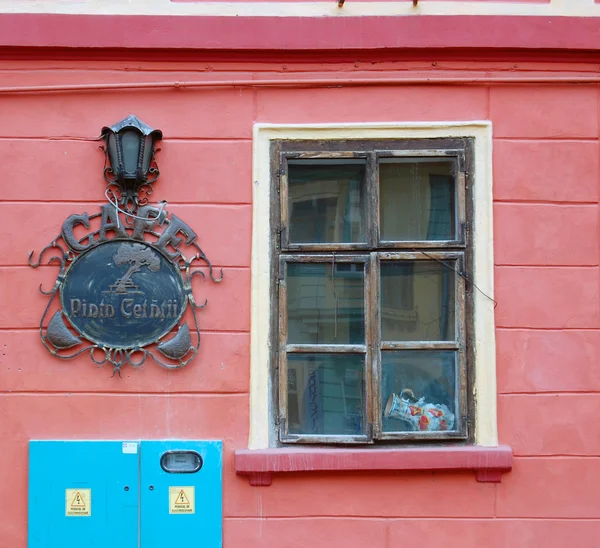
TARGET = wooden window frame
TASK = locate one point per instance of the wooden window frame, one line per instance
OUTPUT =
(372, 253)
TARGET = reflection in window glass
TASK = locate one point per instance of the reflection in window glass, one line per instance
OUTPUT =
(418, 391)
(325, 200)
(417, 301)
(417, 199)
(325, 394)
(324, 308)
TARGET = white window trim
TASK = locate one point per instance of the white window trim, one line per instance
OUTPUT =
(262, 287)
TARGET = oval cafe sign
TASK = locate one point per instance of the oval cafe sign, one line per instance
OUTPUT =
(125, 273)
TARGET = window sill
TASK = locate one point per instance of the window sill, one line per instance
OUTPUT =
(488, 463)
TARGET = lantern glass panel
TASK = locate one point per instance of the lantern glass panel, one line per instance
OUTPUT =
(130, 141)
(147, 153)
(111, 143)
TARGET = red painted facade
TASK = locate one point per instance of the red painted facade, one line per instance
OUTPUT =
(546, 147)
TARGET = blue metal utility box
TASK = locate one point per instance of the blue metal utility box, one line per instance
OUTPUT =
(121, 494)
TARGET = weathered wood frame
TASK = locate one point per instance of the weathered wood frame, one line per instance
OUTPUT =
(372, 253)
(284, 349)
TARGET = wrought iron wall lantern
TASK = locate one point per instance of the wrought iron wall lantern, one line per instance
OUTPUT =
(130, 161)
(124, 288)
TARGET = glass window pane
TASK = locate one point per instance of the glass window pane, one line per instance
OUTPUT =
(325, 394)
(325, 199)
(417, 301)
(417, 199)
(418, 391)
(323, 308)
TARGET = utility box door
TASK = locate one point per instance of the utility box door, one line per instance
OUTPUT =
(83, 494)
(181, 494)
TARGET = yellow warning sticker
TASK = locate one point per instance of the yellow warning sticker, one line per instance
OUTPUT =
(182, 500)
(78, 502)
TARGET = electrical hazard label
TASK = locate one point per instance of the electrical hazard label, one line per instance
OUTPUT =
(78, 502)
(182, 500)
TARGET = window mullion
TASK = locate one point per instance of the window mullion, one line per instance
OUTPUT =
(367, 382)
(372, 299)
(372, 201)
(374, 344)
(420, 345)
(326, 348)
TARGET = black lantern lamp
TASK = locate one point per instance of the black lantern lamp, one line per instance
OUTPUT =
(131, 164)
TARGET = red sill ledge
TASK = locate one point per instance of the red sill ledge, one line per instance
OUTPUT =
(488, 463)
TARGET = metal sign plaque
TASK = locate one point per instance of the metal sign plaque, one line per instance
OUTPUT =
(123, 298)
(124, 287)
(123, 294)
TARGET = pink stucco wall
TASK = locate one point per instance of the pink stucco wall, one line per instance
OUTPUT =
(546, 181)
